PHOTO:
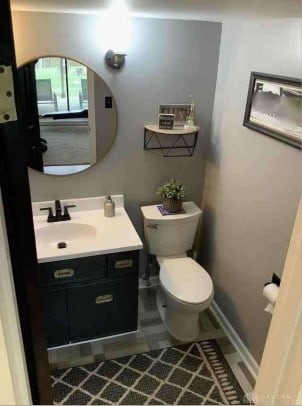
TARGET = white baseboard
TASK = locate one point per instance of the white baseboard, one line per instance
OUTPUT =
(49, 349)
(244, 353)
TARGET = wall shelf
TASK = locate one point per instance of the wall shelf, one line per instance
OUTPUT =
(178, 142)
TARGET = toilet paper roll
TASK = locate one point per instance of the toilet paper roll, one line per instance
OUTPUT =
(270, 292)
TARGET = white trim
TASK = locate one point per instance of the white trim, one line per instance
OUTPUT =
(279, 379)
(12, 344)
(239, 345)
(93, 340)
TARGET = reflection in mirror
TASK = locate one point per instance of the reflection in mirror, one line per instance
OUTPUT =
(69, 115)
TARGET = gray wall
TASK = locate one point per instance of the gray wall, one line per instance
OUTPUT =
(167, 61)
(105, 119)
(253, 183)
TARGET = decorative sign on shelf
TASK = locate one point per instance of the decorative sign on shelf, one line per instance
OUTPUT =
(166, 121)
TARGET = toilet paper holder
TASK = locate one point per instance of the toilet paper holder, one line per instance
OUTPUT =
(275, 279)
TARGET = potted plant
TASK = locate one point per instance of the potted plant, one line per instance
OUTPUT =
(172, 193)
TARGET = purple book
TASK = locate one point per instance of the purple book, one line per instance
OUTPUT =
(165, 212)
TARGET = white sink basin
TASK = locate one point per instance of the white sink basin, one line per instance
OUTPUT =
(88, 233)
(54, 233)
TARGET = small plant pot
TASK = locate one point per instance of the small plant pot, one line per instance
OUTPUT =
(172, 205)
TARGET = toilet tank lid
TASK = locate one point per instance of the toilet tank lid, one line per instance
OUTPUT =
(186, 280)
(153, 213)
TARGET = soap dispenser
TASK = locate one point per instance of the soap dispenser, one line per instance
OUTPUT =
(109, 207)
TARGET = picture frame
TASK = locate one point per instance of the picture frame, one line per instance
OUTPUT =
(180, 111)
(166, 121)
(273, 107)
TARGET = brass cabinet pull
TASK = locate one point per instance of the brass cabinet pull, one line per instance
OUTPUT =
(125, 263)
(64, 273)
(153, 226)
(103, 299)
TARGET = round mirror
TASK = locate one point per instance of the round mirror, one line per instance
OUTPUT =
(69, 115)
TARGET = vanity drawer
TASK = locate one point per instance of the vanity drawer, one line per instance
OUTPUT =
(73, 270)
(123, 263)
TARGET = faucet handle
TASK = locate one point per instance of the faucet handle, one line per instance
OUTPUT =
(66, 214)
(50, 217)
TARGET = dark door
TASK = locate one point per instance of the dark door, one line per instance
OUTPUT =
(19, 223)
(30, 115)
(56, 316)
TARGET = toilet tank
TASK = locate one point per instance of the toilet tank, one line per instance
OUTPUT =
(171, 234)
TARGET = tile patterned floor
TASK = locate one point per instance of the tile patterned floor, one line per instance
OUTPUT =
(195, 374)
(151, 335)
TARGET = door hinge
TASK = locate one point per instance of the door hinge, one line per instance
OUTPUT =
(7, 98)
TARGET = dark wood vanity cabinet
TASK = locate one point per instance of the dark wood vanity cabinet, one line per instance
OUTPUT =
(90, 297)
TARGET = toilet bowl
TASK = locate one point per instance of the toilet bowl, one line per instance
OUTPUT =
(186, 290)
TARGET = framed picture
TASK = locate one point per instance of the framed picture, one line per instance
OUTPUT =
(166, 121)
(180, 111)
(274, 106)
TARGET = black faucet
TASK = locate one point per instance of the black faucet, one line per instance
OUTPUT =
(58, 216)
(58, 209)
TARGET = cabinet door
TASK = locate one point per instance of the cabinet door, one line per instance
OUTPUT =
(127, 303)
(102, 308)
(56, 316)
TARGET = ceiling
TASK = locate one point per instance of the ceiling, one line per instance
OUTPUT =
(212, 10)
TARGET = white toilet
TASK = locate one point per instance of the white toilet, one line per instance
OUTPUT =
(186, 288)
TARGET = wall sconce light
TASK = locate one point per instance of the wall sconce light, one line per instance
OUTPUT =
(115, 60)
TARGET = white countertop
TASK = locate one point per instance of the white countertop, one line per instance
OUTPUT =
(109, 234)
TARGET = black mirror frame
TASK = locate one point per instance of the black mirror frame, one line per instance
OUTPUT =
(270, 132)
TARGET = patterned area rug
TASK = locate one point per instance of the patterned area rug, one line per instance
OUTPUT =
(189, 374)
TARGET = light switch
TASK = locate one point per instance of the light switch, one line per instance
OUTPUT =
(108, 102)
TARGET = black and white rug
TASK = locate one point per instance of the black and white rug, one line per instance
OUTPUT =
(189, 374)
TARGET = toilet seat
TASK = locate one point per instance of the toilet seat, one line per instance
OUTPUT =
(186, 280)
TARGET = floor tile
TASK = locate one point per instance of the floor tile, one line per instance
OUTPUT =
(247, 374)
